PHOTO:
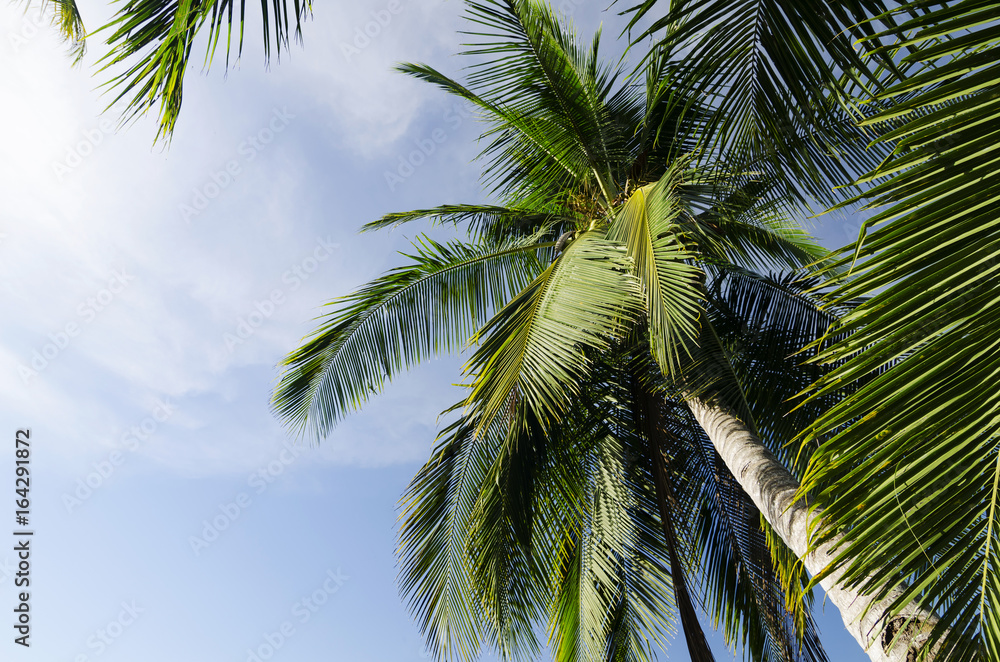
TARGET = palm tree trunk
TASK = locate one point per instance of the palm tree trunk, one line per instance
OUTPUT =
(647, 418)
(772, 489)
(694, 635)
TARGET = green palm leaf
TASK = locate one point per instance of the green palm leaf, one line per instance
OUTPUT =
(910, 476)
(435, 573)
(68, 20)
(408, 315)
(487, 222)
(534, 347)
(647, 225)
(771, 71)
(151, 42)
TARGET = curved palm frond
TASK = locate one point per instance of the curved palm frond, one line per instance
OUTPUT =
(647, 226)
(486, 222)
(68, 20)
(436, 521)
(151, 42)
(411, 313)
(534, 347)
(741, 224)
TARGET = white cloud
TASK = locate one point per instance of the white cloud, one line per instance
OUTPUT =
(271, 161)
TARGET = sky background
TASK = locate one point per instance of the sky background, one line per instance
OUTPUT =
(127, 271)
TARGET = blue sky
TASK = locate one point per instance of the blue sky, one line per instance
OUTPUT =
(148, 294)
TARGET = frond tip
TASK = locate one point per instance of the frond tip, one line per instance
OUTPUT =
(151, 42)
(66, 18)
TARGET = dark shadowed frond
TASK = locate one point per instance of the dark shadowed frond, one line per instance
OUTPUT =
(771, 73)
(487, 222)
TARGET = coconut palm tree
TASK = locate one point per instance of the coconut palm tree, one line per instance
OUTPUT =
(606, 229)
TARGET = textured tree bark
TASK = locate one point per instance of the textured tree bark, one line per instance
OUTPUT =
(772, 488)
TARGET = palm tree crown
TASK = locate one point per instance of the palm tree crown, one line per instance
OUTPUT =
(583, 292)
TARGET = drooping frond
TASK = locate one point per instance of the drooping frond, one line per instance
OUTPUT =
(151, 42)
(67, 19)
(648, 225)
(535, 346)
(435, 574)
(413, 312)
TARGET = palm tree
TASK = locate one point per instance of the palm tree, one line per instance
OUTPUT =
(604, 230)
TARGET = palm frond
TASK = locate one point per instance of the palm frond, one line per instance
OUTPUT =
(435, 575)
(647, 225)
(535, 347)
(535, 66)
(491, 223)
(151, 42)
(509, 573)
(739, 223)
(770, 72)
(68, 20)
(433, 305)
